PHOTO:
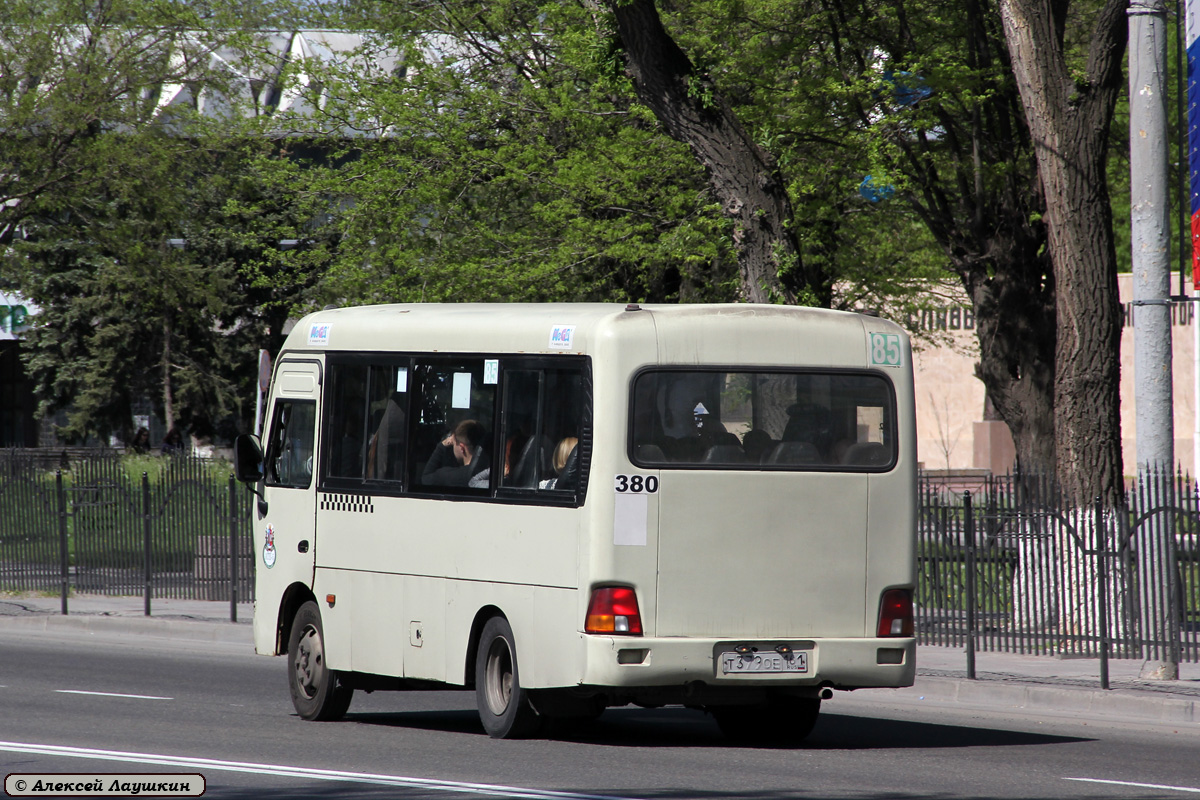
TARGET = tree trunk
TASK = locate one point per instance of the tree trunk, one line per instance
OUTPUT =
(1069, 122)
(165, 367)
(1014, 324)
(742, 175)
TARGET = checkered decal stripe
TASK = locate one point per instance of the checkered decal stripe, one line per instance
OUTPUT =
(354, 503)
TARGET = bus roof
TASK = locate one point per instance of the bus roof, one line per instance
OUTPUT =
(555, 328)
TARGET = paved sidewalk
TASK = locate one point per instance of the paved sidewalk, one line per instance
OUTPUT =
(1060, 685)
(170, 618)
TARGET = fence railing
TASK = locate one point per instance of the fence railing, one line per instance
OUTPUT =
(179, 530)
(1008, 566)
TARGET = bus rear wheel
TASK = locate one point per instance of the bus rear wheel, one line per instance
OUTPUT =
(504, 707)
(781, 720)
(317, 692)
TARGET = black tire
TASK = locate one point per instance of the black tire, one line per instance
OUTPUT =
(504, 707)
(317, 691)
(782, 720)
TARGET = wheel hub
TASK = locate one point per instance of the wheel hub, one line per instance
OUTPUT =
(309, 662)
(499, 677)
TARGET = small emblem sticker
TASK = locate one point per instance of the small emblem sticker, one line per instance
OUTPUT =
(318, 334)
(561, 337)
(269, 547)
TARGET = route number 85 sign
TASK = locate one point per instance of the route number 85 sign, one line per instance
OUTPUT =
(885, 349)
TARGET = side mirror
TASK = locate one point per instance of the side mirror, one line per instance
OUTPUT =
(247, 459)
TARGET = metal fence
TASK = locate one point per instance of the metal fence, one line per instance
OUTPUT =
(181, 530)
(1005, 565)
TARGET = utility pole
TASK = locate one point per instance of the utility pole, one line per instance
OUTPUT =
(1151, 234)
(1192, 48)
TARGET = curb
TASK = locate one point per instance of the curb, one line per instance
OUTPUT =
(187, 628)
(1125, 704)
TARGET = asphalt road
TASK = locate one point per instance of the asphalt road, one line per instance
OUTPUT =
(84, 702)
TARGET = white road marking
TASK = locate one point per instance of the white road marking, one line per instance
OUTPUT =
(113, 694)
(487, 789)
(1138, 785)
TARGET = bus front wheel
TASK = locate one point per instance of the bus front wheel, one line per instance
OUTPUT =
(317, 693)
(504, 707)
(782, 720)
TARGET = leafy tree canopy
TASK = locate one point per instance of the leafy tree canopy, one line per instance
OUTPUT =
(167, 295)
(518, 163)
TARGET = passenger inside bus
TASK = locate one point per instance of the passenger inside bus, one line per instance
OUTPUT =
(756, 443)
(386, 450)
(564, 458)
(458, 458)
(348, 462)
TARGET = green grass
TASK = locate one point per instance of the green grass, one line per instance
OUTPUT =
(942, 584)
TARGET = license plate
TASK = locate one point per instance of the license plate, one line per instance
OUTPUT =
(764, 662)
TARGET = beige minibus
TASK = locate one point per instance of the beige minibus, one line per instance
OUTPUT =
(571, 507)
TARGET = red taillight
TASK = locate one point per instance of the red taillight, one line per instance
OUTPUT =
(614, 609)
(896, 613)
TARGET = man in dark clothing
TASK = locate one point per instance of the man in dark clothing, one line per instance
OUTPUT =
(458, 457)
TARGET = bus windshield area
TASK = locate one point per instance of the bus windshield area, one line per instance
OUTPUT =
(836, 421)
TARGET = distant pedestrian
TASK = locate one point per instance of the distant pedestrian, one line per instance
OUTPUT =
(141, 441)
(172, 443)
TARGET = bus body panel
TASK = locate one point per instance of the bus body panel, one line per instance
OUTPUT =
(716, 563)
(747, 336)
(460, 540)
(340, 617)
(621, 347)
(786, 563)
(402, 551)
(366, 632)
(890, 558)
(547, 631)
(892, 502)
(455, 328)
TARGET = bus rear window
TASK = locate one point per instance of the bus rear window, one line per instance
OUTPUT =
(836, 421)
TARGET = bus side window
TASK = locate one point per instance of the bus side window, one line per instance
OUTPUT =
(389, 423)
(347, 428)
(787, 420)
(290, 456)
(366, 423)
(543, 412)
(526, 450)
(451, 450)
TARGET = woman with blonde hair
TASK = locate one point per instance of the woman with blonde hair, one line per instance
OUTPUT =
(562, 453)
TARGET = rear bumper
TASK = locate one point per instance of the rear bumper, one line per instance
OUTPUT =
(839, 663)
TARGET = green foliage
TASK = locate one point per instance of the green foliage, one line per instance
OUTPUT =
(126, 315)
(96, 180)
(806, 78)
(515, 165)
(523, 167)
(71, 72)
